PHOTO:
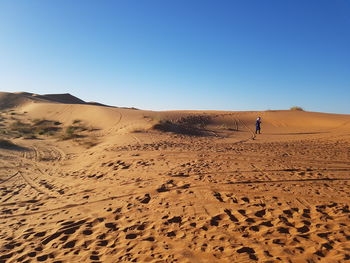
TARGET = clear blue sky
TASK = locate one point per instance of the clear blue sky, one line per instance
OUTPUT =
(181, 54)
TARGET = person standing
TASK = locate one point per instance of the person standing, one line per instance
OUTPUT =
(258, 125)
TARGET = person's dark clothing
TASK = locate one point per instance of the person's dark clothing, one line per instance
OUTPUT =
(257, 126)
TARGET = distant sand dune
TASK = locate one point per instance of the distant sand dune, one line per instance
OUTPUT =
(61, 98)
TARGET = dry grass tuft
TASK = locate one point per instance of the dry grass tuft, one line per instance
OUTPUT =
(296, 108)
(33, 130)
(72, 132)
(79, 133)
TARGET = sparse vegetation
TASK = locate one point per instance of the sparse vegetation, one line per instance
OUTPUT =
(70, 133)
(76, 121)
(46, 127)
(34, 129)
(191, 125)
(20, 129)
(75, 132)
(296, 108)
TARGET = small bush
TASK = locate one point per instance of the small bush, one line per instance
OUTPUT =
(34, 129)
(46, 127)
(76, 121)
(21, 128)
(17, 124)
(296, 108)
(190, 125)
(73, 131)
(78, 133)
(69, 133)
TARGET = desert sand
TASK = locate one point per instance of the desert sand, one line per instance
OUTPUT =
(83, 182)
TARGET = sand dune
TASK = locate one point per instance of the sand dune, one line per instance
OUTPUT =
(18, 99)
(88, 183)
(61, 98)
(10, 100)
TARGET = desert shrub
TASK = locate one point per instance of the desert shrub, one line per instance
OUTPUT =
(76, 121)
(69, 133)
(17, 124)
(21, 128)
(79, 133)
(34, 129)
(74, 131)
(46, 127)
(44, 122)
(189, 125)
(199, 121)
(296, 108)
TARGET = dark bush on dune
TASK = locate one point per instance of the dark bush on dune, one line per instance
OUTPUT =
(189, 125)
(46, 127)
(70, 133)
(296, 108)
(74, 131)
(21, 127)
(37, 127)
